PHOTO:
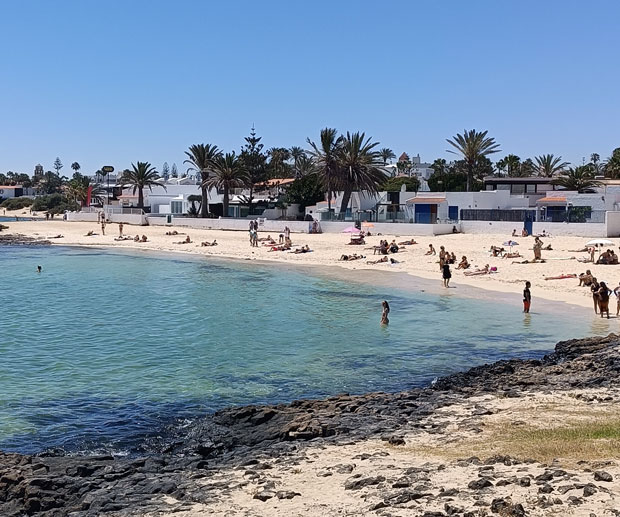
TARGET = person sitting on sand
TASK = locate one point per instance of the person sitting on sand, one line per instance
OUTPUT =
(393, 247)
(90, 233)
(585, 279)
(288, 242)
(407, 243)
(524, 233)
(186, 241)
(383, 248)
(431, 250)
(144, 239)
(613, 258)
(496, 251)
(514, 233)
(136, 238)
(484, 271)
(453, 258)
(303, 249)
(603, 258)
(207, 243)
(463, 264)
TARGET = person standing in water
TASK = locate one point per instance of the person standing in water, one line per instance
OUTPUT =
(385, 312)
(39, 269)
(527, 298)
(447, 275)
(603, 299)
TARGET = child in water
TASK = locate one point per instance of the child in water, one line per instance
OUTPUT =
(384, 314)
(527, 297)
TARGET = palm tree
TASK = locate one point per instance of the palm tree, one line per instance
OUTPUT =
(305, 166)
(201, 157)
(278, 155)
(511, 164)
(549, 165)
(75, 166)
(612, 165)
(143, 175)
(325, 157)
(297, 153)
(472, 146)
(579, 178)
(386, 154)
(228, 173)
(77, 189)
(360, 167)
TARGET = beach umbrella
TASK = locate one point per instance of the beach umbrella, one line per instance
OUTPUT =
(599, 242)
(350, 229)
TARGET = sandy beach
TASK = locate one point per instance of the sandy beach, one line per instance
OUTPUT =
(328, 248)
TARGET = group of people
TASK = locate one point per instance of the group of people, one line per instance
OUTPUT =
(386, 247)
(600, 293)
(608, 257)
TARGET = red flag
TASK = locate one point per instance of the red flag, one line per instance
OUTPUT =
(90, 191)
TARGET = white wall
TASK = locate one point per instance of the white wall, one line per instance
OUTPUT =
(113, 218)
(613, 224)
(576, 229)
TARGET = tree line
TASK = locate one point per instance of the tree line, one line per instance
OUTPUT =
(335, 162)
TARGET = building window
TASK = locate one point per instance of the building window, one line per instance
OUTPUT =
(530, 189)
(517, 189)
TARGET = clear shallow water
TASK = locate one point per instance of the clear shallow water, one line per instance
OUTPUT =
(101, 350)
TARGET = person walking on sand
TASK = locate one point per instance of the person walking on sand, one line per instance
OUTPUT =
(527, 298)
(617, 293)
(103, 225)
(447, 275)
(385, 312)
(603, 299)
(120, 229)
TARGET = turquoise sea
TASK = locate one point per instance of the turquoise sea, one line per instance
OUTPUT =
(102, 350)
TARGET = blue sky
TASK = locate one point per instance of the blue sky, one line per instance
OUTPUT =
(113, 82)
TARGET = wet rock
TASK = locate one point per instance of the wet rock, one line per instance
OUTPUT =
(287, 494)
(601, 475)
(506, 508)
(545, 489)
(264, 495)
(356, 484)
(589, 490)
(479, 484)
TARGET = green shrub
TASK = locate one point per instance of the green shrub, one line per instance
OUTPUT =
(17, 203)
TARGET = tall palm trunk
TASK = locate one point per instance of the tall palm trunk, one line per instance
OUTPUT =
(225, 202)
(346, 198)
(470, 176)
(204, 206)
(140, 198)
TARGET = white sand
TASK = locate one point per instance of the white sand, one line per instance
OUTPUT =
(327, 249)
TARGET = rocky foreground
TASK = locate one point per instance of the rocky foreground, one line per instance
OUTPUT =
(381, 454)
(16, 239)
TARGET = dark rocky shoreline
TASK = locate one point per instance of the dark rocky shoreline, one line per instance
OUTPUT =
(87, 486)
(16, 239)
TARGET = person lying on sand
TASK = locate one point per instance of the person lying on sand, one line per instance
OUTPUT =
(484, 271)
(533, 261)
(561, 277)
(279, 248)
(90, 233)
(582, 250)
(174, 232)
(355, 256)
(463, 264)
(357, 240)
(186, 241)
(207, 243)
(383, 259)
(514, 254)
(407, 243)
(267, 239)
(585, 279)
(123, 238)
(56, 237)
(303, 249)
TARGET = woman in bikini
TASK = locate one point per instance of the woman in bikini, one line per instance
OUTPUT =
(385, 312)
